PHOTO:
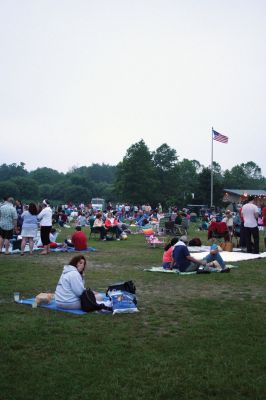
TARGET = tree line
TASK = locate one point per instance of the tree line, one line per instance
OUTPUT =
(141, 177)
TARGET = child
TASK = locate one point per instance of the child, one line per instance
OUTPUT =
(214, 259)
(167, 255)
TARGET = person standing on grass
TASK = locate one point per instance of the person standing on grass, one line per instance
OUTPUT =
(45, 218)
(29, 227)
(8, 222)
(250, 215)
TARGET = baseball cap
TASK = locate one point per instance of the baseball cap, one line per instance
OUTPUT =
(183, 238)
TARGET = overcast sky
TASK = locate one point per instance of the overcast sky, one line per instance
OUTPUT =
(83, 80)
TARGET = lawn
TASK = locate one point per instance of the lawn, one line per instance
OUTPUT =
(195, 337)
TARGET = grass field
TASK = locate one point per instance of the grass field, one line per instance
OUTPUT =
(195, 337)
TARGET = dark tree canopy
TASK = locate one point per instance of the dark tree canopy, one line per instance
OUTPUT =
(141, 177)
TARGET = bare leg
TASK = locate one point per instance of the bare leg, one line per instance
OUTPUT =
(7, 246)
(44, 250)
(23, 244)
(1, 243)
(31, 244)
(98, 296)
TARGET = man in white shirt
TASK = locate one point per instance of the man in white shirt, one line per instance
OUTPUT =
(250, 214)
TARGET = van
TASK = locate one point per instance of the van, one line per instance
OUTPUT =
(98, 204)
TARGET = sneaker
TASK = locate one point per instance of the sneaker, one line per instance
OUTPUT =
(104, 239)
(225, 270)
(117, 239)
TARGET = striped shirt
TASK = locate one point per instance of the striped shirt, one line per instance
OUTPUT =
(8, 216)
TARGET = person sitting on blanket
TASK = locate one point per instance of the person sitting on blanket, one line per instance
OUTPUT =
(182, 260)
(214, 259)
(71, 285)
(78, 240)
(168, 254)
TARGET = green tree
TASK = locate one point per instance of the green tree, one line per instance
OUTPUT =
(136, 178)
(186, 181)
(28, 187)
(244, 176)
(46, 191)
(164, 158)
(165, 161)
(102, 173)
(12, 171)
(76, 193)
(204, 191)
(8, 188)
(46, 175)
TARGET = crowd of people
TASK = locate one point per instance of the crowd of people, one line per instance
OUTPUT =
(26, 220)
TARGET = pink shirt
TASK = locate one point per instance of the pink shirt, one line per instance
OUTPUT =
(167, 255)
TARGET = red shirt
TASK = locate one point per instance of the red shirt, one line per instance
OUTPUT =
(79, 240)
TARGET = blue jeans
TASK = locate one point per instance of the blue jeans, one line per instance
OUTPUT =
(215, 257)
(166, 265)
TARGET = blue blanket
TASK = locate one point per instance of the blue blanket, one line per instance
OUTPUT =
(52, 306)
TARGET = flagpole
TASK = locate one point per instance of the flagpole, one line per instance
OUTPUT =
(212, 171)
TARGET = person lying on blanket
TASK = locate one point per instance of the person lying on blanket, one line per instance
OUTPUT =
(71, 285)
(182, 260)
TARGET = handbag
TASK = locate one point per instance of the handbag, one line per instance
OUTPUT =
(227, 246)
(88, 302)
(127, 286)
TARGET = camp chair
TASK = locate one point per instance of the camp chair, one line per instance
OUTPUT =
(218, 230)
(93, 231)
(162, 225)
(179, 230)
(169, 227)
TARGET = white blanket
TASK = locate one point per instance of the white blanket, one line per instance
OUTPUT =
(231, 256)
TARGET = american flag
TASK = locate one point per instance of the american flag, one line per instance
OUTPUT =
(219, 137)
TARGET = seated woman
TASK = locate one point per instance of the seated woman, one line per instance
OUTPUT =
(112, 226)
(71, 284)
(168, 254)
(98, 225)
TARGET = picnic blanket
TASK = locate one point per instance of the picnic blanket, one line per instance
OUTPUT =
(122, 302)
(231, 256)
(72, 250)
(50, 306)
(198, 249)
(176, 272)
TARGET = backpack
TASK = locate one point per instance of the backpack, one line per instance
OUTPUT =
(195, 242)
(89, 304)
(128, 286)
